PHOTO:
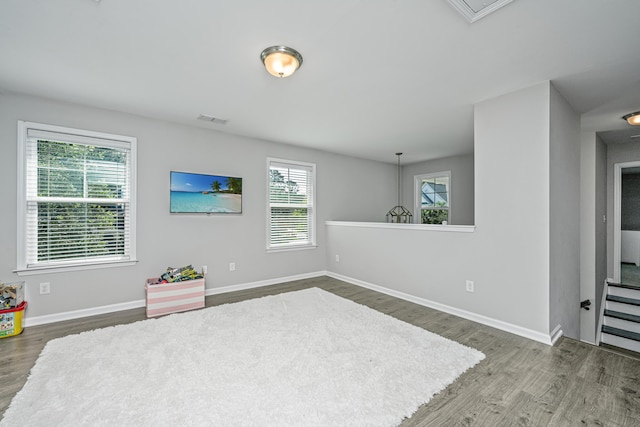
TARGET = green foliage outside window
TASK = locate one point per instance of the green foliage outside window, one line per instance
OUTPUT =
(78, 229)
(289, 214)
(434, 216)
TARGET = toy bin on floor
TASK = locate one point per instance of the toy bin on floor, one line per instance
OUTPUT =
(173, 297)
(11, 320)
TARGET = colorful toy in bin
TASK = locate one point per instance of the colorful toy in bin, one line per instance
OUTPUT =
(11, 320)
(181, 274)
(11, 295)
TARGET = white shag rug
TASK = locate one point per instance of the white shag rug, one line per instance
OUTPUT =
(304, 358)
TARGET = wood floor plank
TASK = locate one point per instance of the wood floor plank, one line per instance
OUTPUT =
(520, 382)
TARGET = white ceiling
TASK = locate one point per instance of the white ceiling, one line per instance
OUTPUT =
(379, 76)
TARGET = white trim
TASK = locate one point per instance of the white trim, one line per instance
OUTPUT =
(22, 187)
(98, 137)
(498, 324)
(471, 15)
(412, 227)
(417, 194)
(78, 314)
(78, 267)
(105, 309)
(261, 283)
(289, 248)
(603, 304)
(617, 214)
(310, 168)
(548, 339)
(28, 130)
(617, 217)
(556, 334)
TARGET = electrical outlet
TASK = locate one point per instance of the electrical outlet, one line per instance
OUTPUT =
(470, 287)
(337, 258)
(204, 269)
(45, 288)
(232, 266)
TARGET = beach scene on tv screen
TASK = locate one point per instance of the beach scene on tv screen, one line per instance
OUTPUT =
(198, 193)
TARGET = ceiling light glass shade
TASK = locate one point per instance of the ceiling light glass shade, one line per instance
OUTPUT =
(281, 61)
(632, 118)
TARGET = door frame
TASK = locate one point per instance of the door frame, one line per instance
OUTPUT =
(617, 214)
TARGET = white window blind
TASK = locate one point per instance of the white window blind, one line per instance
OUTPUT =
(77, 198)
(291, 214)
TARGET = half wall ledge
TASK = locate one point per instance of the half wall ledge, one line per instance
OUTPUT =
(410, 227)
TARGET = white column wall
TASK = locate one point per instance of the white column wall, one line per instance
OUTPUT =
(564, 216)
(588, 220)
(507, 256)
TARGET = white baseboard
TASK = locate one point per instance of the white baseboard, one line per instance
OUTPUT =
(77, 314)
(556, 334)
(112, 308)
(498, 324)
(261, 283)
(548, 339)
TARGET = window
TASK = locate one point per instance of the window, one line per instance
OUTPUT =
(433, 195)
(291, 211)
(76, 198)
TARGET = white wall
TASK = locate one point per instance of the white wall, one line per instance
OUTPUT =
(564, 226)
(462, 197)
(508, 254)
(588, 221)
(593, 230)
(513, 205)
(347, 189)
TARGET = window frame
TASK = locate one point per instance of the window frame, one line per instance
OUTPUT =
(417, 191)
(311, 205)
(71, 135)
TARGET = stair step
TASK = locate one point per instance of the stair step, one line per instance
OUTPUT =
(625, 316)
(621, 321)
(624, 285)
(624, 291)
(635, 336)
(620, 342)
(624, 300)
(622, 307)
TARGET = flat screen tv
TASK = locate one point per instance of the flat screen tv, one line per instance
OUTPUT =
(209, 194)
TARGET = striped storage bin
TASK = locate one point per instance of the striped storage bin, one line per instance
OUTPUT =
(173, 297)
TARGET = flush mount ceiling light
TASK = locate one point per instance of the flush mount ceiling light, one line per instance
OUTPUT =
(632, 118)
(281, 61)
(476, 9)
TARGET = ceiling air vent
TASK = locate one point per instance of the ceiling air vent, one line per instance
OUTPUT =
(212, 119)
(476, 9)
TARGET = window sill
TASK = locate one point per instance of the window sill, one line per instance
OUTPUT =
(65, 268)
(412, 227)
(291, 248)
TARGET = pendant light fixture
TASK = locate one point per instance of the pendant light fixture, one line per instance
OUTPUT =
(281, 61)
(399, 214)
(632, 118)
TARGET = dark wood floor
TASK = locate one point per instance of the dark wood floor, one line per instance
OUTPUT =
(520, 382)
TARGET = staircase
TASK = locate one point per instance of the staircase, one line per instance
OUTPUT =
(621, 317)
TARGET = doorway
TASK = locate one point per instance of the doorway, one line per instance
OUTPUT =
(627, 223)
